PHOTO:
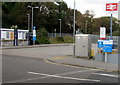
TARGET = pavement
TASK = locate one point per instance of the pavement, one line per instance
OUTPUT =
(74, 61)
(85, 62)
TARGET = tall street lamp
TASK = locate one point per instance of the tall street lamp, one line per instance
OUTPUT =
(28, 35)
(28, 21)
(86, 24)
(32, 18)
(60, 27)
(74, 33)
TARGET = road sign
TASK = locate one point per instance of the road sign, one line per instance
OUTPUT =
(102, 33)
(100, 43)
(34, 33)
(111, 6)
(107, 45)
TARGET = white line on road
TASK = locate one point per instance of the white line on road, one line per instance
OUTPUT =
(63, 77)
(108, 75)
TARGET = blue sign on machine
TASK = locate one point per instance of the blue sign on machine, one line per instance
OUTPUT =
(100, 43)
(107, 45)
(34, 33)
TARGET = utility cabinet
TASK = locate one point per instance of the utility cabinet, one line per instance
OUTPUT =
(83, 45)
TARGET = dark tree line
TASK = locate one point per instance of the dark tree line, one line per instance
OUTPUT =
(48, 15)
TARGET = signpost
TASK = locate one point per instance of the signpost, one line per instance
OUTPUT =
(34, 35)
(107, 47)
(111, 7)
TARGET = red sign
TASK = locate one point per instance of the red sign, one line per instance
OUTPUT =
(112, 7)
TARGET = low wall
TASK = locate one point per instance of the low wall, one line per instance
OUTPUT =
(111, 58)
(8, 43)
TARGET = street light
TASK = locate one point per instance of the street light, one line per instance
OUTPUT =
(86, 23)
(60, 27)
(28, 21)
(32, 18)
(74, 33)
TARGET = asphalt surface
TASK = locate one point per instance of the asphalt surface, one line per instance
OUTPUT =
(20, 69)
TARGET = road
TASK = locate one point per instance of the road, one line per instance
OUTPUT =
(24, 66)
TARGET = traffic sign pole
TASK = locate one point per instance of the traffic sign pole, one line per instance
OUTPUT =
(105, 57)
(111, 27)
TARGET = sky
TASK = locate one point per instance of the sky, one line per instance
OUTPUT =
(98, 6)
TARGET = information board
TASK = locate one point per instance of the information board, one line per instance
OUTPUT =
(100, 43)
(107, 45)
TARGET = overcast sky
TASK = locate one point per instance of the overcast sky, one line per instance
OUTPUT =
(98, 6)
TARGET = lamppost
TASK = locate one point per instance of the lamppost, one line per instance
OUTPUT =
(74, 33)
(36, 7)
(60, 27)
(86, 23)
(28, 21)
(28, 35)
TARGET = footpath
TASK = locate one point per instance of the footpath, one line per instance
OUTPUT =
(73, 61)
(87, 63)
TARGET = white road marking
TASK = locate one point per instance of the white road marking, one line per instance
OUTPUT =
(73, 72)
(63, 77)
(29, 79)
(108, 75)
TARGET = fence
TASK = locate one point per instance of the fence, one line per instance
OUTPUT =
(58, 34)
(94, 39)
(116, 41)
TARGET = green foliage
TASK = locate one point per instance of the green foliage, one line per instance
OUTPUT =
(56, 40)
(42, 37)
(116, 33)
(68, 39)
(65, 39)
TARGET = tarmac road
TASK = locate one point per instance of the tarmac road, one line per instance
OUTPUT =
(18, 69)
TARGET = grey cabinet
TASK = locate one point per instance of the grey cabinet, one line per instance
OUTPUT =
(82, 45)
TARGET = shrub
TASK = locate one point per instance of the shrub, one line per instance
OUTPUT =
(42, 36)
(65, 39)
(68, 39)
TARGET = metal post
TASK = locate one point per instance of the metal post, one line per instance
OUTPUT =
(105, 57)
(74, 33)
(28, 22)
(60, 27)
(28, 35)
(55, 32)
(32, 19)
(86, 27)
(111, 27)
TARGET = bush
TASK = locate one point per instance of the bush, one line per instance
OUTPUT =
(116, 33)
(65, 39)
(42, 36)
(68, 39)
(56, 40)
